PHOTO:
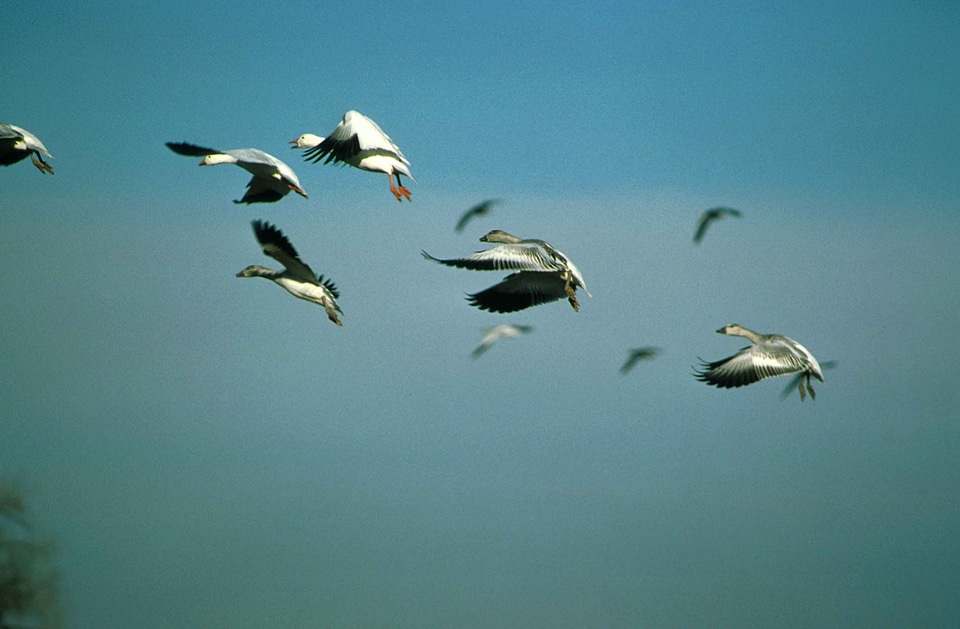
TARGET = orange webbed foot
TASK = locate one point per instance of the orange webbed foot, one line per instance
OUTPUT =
(400, 192)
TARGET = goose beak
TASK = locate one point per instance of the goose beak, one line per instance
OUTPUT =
(721, 330)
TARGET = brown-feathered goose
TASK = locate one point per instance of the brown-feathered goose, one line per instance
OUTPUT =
(769, 355)
(542, 273)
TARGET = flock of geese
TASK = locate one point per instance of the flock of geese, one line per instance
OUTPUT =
(538, 272)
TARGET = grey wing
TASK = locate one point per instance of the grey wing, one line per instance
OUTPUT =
(749, 365)
(7, 132)
(503, 258)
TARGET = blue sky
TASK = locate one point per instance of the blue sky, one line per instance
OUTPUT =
(207, 451)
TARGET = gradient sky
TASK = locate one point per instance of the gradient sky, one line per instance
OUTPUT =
(208, 451)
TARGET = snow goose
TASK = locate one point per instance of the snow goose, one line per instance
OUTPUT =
(361, 143)
(480, 209)
(542, 273)
(16, 144)
(299, 280)
(306, 141)
(636, 355)
(769, 355)
(272, 179)
(496, 333)
(711, 215)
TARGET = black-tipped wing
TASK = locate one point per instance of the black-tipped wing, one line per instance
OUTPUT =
(333, 149)
(751, 364)
(503, 258)
(191, 150)
(330, 286)
(276, 245)
(354, 134)
(519, 291)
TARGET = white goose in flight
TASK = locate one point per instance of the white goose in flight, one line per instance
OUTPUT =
(711, 215)
(770, 355)
(272, 179)
(16, 144)
(496, 333)
(361, 143)
(541, 275)
(298, 279)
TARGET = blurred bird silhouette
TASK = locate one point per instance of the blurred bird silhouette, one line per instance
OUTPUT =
(711, 215)
(481, 209)
(636, 355)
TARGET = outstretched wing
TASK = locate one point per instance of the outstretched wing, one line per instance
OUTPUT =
(519, 291)
(751, 364)
(503, 258)
(190, 150)
(355, 133)
(276, 245)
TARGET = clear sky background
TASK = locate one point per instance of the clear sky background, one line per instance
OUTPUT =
(208, 451)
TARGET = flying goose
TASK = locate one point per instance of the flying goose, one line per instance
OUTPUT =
(496, 333)
(272, 179)
(711, 215)
(480, 209)
(636, 355)
(541, 273)
(297, 277)
(770, 355)
(16, 144)
(361, 143)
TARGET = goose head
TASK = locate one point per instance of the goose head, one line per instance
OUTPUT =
(255, 270)
(306, 141)
(500, 236)
(733, 329)
(218, 158)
